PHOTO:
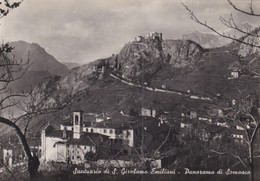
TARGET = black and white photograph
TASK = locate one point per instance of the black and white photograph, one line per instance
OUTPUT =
(132, 90)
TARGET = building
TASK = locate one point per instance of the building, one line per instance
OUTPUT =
(148, 112)
(154, 35)
(8, 156)
(150, 133)
(235, 70)
(12, 152)
(139, 38)
(74, 140)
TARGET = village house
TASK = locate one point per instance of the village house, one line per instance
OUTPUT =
(235, 70)
(151, 132)
(8, 156)
(11, 151)
(150, 112)
(237, 135)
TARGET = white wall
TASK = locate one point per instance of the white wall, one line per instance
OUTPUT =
(51, 150)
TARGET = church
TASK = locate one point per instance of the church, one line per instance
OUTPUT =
(75, 139)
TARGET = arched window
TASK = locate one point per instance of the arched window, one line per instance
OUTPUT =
(76, 119)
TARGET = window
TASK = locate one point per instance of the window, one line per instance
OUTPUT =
(76, 119)
(72, 157)
(91, 130)
(105, 131)
(111, 131)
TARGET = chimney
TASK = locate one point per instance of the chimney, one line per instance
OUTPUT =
(159, 124)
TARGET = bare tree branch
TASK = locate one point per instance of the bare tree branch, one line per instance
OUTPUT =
(239, 40)
(251, 13)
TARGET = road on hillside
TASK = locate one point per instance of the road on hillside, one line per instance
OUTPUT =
(138, 53)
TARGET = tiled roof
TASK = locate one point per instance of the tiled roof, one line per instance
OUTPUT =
(152, 125)
(67, 124)
(89, 118)
(51, 132)
(109, 124)
(89, 139)
(215, 129)
(235, 66)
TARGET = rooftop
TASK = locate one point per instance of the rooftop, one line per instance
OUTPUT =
(89, 139)
(51, 132)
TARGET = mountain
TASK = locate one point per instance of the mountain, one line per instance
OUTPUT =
(206, 40)
(71, 65)
(41, 64)
(174, 65)
(211, 40)
(40, 59)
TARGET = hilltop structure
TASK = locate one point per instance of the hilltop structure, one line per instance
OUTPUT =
(151, 35)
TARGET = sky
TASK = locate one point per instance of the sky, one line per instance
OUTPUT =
(85, 30)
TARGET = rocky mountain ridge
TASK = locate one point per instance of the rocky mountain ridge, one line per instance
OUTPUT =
(41, 64)
(140, 60)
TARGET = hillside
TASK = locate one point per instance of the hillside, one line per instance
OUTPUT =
(172, 64)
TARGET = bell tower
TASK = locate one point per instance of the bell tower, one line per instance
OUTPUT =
(77, 123)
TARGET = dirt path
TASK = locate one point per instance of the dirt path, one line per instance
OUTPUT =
(161, 90)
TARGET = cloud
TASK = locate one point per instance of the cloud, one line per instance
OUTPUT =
(85, 30)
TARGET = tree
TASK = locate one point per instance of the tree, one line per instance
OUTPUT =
(232, 24)
(246, 115)
(12, 70)
(247, 105)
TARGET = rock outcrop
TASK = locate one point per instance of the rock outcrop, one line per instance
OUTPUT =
(139, 60)
(182, 53)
